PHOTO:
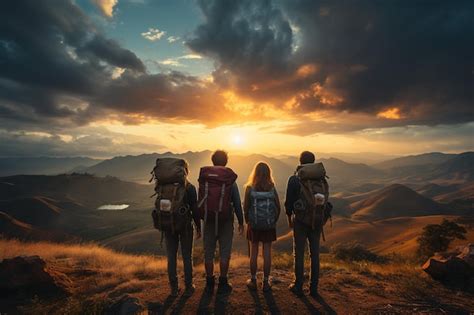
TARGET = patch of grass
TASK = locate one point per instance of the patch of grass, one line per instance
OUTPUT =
(282, 260)
(92, 256)
(355, 252)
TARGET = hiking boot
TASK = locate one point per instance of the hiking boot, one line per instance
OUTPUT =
(313, 290)
(296, 289)
(210, 282)
(252, 284)
(189, 290)
(266, 286)
(224, 287)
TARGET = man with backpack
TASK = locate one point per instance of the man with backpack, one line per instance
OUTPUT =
(308, 209)
(219, 199)
(175, 209)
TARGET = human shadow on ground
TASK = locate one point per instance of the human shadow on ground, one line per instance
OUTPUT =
(155, 308)
(220, 303)
(204, 303)
(179, 306)
(327, 308)
(256, 301)
(272, 305)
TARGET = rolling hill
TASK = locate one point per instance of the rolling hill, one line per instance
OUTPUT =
(414, 160)
(13, 228)
(43, 165)
(394, 201)
(37, 211)
(88, 190)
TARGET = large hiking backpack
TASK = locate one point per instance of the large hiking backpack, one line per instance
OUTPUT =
(215, 188)
(312, 207)
(171, 211)
(263, 210)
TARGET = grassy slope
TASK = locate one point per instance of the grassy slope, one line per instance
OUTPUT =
(101, 275)
(385, 236)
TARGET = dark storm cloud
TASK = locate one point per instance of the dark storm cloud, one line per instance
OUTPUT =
(57, 71)
(251, 39)
(172, 95)
(356, 56)
(85, 141)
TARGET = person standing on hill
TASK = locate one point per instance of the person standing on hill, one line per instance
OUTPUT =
(175, 209)
(219, 199)
(308, 209)
(261, 211)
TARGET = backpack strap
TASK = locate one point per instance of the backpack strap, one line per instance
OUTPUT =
(221, 201)
(175, 189)
(206, 194)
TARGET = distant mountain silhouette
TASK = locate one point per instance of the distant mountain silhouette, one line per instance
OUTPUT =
(394, 201)
(87, 190)
(43, 165)
(412, 160)
(137, 168)
(460, 167)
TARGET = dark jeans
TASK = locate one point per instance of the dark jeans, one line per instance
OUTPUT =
(301, 234)
(172, 243)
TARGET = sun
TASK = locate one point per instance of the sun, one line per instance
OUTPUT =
(237, 139)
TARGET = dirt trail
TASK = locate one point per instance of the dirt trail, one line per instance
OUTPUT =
(341, 292)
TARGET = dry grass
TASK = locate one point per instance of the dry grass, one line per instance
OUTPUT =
(89, 256)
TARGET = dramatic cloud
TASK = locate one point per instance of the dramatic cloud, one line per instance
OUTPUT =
(94, 142)
(325, 67)
(405, 62)
(106, 6)
(59, 69)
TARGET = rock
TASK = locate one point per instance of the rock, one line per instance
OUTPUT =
(125, 305)
(457, 271)
(27, 276)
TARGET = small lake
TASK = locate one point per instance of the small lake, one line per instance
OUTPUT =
(113, 207)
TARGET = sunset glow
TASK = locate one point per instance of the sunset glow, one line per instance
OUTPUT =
(125, 77)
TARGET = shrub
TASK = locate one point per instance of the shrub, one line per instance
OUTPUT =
(437, 237)
(355, 252)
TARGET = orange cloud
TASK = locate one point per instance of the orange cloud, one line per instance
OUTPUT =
(390, 113)
(306, 70)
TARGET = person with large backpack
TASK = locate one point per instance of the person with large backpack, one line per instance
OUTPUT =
(219, 199)
(175, 209)
(308, 209)
(261, 212)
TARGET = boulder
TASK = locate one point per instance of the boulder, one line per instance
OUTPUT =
(125, 305)
(455, 270)
(27, 276)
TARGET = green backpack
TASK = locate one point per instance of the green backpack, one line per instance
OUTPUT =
(171, 211)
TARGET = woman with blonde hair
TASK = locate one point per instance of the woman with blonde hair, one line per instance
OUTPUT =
(261, 210)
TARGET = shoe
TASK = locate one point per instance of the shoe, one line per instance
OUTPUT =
(210, 283)
(174, 291)
(224, 287)
(313, 291)
(252, 284)
(266, 286)
(189, 290)
(296, 289)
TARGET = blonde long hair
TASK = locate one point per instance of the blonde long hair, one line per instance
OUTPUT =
(261, 177)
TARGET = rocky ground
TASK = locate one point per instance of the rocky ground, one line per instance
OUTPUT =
(98, 281)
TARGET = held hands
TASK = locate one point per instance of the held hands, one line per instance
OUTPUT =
(241, 229)
(198, 234)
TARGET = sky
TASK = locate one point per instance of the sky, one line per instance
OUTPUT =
(102, 78)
